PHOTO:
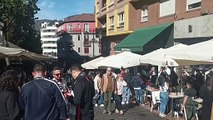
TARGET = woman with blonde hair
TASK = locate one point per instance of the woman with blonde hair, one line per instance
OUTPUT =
(120, 83)
(206, 93)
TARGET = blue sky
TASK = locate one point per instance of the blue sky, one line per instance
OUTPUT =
(59, 9)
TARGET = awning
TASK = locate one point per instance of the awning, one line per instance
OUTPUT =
(136, 40)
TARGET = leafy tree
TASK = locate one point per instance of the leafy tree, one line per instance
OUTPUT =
(18, 21)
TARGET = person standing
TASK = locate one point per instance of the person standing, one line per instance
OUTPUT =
(153, 75)
(41, 98)
(164, 95)
(126, 89)
(206, 93)
(97, 84)
(137, 83)
(84, 92)
(120, 83)
(9, 83)
(57, 78)
(107, 88)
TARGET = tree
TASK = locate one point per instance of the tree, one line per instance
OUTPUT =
(18, 21)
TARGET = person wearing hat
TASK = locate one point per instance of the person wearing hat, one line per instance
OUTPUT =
(188, 102)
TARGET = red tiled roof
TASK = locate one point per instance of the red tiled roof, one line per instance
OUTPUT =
(86, 17)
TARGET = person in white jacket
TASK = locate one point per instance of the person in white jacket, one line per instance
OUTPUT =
(97, 85)
(120, 83)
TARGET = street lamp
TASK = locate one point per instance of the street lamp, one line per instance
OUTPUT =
(93, 46)
(100, 37)
(86, 35)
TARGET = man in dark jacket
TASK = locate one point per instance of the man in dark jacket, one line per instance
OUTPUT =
(41, 98)
(83, 93)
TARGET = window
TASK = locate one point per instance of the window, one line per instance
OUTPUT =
(79, 37)
(167, 7)
(144, 13)
(121, 19)
(70, 28)
(111, 22)
(49, 42)
(86, 27)
(50, 48)
(193, 4)
(86, 50)
(50, 30)
(103, 3)
(79, 25)
(49, 36)
(79, 49)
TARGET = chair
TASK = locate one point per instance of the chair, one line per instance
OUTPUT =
(155, 99)
(192, 103)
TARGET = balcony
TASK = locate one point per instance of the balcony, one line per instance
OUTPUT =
(75, 30)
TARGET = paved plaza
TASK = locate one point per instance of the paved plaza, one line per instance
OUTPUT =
(131, 112)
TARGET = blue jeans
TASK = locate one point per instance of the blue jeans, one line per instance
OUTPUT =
(100, 99)
(164, 96)
(126, 94)
(118, 99)
(139, 95)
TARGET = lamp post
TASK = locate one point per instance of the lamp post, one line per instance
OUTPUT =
(100, 37)
(93, 45)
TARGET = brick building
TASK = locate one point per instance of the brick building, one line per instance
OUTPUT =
(144, 25)
(82, 31)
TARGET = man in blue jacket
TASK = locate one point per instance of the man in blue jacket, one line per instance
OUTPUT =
(41, 98)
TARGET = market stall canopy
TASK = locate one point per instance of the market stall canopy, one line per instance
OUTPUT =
(135, 41)
(10, 52)
(124, 59)
(200, 53)
(158, 57)
(92, 64)
(21, 53)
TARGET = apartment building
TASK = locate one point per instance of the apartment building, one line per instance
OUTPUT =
(83, 33)
(49, 38)
(145, 25)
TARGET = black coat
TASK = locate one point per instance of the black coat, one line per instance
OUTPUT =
(207, 97)
(9, 109)
(128, 79)
(84, 92)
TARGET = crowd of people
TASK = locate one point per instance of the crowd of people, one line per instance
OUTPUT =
(72, 95)
(46, 99)
(124, 87)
